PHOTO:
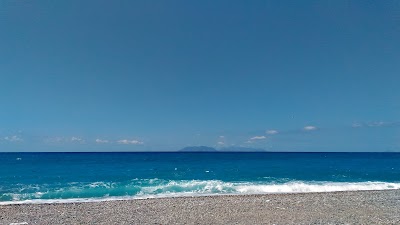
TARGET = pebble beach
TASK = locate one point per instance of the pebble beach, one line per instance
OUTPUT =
(359, 207)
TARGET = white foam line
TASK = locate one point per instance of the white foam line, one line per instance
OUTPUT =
(238, 189)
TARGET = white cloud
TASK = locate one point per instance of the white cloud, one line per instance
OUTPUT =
(130, 142)
(77, 139)
(13, 138)
(221, 143)
(258, 138)
(271, 132)
(309, 128)
(101, 141)
(221, 136)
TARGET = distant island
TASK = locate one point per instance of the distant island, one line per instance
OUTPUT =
(225, 149)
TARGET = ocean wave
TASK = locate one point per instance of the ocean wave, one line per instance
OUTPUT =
(158, 188)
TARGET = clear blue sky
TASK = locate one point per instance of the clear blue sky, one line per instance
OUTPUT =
(160, 75)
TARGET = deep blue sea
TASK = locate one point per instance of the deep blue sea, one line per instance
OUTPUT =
(69, 177)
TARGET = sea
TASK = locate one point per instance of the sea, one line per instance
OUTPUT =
(85, 177)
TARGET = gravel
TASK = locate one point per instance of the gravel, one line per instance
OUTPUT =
(360, 207)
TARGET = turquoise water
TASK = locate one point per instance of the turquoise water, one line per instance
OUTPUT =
(50, 177)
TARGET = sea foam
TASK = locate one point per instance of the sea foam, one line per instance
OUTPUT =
(158, 188)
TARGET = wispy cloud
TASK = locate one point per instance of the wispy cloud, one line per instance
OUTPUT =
(221, 143)
(13, 138)
(258, 138)
(130, 142)
(59, 140)
(102, 141)
(271, 132)
(309, 128)
(379, 124)
(376, 124)
(54, 139)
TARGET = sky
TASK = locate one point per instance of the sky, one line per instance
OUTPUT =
(161, 75)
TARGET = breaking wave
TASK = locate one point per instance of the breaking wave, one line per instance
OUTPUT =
(157, 188)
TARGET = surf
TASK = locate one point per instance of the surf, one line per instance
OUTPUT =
(158, 188)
